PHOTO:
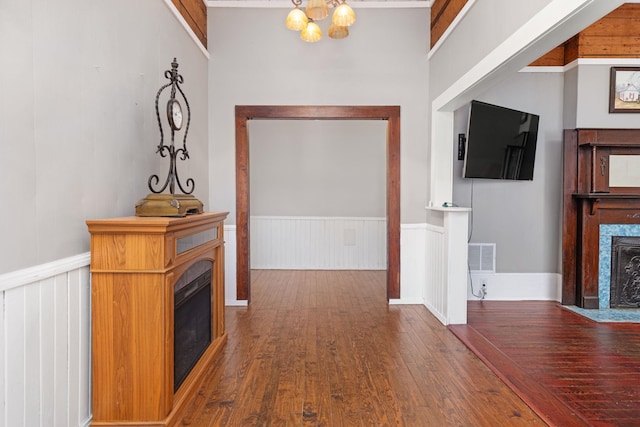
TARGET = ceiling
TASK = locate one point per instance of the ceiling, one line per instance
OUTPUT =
(390, 4)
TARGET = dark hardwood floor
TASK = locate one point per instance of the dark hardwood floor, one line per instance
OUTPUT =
(323, 348)
(571, 370)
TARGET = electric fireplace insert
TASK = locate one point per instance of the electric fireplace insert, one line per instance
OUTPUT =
(192, 318)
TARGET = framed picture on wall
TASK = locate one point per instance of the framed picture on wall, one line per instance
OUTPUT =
(624, 91)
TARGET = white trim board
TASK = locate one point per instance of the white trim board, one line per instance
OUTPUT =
(41, 272)
(582, 61)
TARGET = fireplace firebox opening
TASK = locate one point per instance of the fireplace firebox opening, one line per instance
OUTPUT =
(192, 318)
(625, 272)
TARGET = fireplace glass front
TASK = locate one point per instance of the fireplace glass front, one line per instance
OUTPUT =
(192, 318)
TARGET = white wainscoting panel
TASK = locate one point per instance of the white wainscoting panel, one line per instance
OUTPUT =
(447, 263)
(412, 267)
(436, 289)
(230, 267)
(318, 243)
(45, 330)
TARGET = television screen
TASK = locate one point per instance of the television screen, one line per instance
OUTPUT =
(501, 143)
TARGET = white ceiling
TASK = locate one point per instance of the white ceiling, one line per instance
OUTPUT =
(389, 4)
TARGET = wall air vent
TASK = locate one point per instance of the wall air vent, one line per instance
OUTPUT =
(482, 257)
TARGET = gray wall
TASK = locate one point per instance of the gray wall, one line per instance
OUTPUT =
(521, 217)
(78, 126)
(524, 218)
(318, 168)
(592, 100)
(570, 98)
(383, 62)
(586, 96)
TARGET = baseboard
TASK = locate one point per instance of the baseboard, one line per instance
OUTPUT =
(406, 301)
(236, 303)
(516, 286)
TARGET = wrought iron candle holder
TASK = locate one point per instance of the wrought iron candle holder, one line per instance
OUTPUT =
(159, 203)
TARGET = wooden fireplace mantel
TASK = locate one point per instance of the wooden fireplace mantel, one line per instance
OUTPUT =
(135, 263)
(588, 202)
(609, 201)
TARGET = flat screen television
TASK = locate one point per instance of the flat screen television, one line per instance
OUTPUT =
(501, 143)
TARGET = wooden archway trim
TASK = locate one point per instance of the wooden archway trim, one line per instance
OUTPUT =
(288, 112)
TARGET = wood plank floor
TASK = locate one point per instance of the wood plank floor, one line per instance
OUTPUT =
(323, 348)
(571, 370)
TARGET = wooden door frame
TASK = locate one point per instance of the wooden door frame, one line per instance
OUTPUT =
(245, 113)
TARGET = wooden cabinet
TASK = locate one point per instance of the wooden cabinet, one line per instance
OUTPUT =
(135, 263)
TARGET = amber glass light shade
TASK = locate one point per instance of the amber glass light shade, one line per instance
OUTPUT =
(338, 32)
(343, 16)
(317, 9)
(296, 20)
(311, 33)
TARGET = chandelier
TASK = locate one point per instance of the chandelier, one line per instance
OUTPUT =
(316, 10)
